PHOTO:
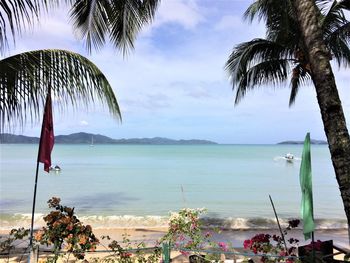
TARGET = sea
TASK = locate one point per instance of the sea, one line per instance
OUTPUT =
(133, 186)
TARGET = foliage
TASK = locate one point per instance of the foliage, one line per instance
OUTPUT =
(274, 245)
(128, 252)
(120, 21)
(282, 54)
(7, 245)
(64, 230)
(67, 235)
(185, 232)
(17, 15)
(73, 80)
(185, 229)
(26, 78)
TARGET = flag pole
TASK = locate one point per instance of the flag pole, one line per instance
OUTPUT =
(278, 223)
(33, 208)
(46, 130)
(313, 247)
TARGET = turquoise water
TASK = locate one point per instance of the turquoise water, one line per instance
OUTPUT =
(132, 184)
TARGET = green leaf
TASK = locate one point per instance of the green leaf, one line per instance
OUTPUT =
(26, 77)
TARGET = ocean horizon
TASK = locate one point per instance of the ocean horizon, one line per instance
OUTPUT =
(138, 185)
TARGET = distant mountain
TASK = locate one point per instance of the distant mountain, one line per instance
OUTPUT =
(10, 138)
(83, 138)
(302, 142)
(88, 138)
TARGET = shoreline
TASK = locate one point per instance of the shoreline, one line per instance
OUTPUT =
(235, 237)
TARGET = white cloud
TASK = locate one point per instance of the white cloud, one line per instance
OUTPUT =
(183, 12)
(83, 123)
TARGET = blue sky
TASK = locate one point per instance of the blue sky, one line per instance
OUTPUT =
(174, 84)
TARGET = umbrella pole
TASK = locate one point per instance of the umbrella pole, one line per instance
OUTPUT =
(33, 212)
(313, 247)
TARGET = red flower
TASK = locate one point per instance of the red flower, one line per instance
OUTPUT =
(247, 244)
(126, 255)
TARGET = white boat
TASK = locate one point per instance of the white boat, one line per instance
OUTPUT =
(92, 141)
(289, 157)
(56, 168)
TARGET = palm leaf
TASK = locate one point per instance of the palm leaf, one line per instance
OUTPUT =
(332, 19)
(336, 30)
(74, 80)
(253, 63)
(344, 4)
(340, 49)
(120, 20)
(300, 76)
(19, 15)
(267, 72)
(278, 16)
(126, 21)
(247, 54)
(91, 18)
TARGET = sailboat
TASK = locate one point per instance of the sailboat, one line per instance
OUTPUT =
(92, 141)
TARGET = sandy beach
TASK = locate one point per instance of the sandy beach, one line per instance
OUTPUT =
(233, 237)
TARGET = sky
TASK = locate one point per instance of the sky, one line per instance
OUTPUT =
(174, 84)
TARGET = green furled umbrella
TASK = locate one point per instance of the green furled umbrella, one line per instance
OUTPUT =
(305, 176)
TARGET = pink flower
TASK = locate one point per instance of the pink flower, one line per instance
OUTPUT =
(223, 246)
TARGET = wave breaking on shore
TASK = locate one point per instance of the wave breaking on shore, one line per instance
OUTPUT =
(130, 221)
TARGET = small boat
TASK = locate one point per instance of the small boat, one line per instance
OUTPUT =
(56, 168)
(289, 157)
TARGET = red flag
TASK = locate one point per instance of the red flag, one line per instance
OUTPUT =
(47, 137)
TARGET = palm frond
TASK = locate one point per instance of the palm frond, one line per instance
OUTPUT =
(340, 49)
(332, 19)
(299, 77)
(74, 80)
(252, 63)
(91, 18)
(126, 21)
(278, 16)
(15, 14)
(344, 4)
(120, 20)
(336, 30)
(247, 54)
(19, 15)
(255, 11)
(148, 9)
(267, 72)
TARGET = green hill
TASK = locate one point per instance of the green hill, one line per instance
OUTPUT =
(89, 138)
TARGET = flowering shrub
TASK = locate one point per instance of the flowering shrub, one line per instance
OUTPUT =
(67, 235)
(267, 244)
(185, 232)
(121, 252)
(64, 230)
(185, 229)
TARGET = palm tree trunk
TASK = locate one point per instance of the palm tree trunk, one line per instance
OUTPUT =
(327, 96)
